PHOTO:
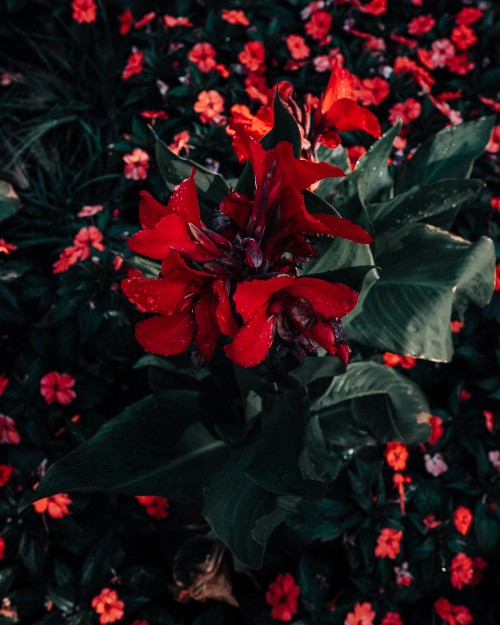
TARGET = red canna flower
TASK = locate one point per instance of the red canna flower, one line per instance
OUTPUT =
(338, 110)
(452, 614)
(302, 310)
(462, 520)
(283, 596)
(108, 606)
(388, 543)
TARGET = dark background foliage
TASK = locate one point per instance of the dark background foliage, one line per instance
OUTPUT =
(67, 120)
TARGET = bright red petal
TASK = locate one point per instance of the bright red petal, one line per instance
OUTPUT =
(207, 329)
(150, 211)
(296, 219)
(184, 201)
(322, 333)
(166, 336)
(254, 294)
(238, 208)
(299, 174)
(348, 116)
(330, 300)
(157, 295)
(255, 151)
(224, 312)
(340, 85)
(252, 343)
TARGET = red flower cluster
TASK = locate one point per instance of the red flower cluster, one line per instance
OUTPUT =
(240, 278)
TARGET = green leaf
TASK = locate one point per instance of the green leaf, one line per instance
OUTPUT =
(174, 168)
(395, 408)
(426, 274)
(448, 154)
(314, 368)
(241, 513)
(284, 128)
(424, 201)
(155, 447)
(9, 201)
(281, 461)
(370, 182)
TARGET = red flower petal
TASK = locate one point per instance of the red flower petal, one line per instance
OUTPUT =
(150, 210)
(252, 343)
(340, 85)
(224, 312)
(347, 116)
(184, 201)
(157, 295)
(256, 153)
(166, 336)
(298, 174)
(322, 333)
(330, 300)
(238, 208)
(254, 294)
(295, 219)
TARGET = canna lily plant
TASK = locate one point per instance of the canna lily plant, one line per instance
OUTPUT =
(284, 298)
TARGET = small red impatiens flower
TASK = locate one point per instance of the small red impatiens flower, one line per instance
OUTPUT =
(5, 473)
(55, 506)
(437, 429)
(388, 543)
(462, 520)
(462, 571)
(134, 66)
(2, 547)
(282, 595)
(4, 380)
(136, 164)
(452, 614)
(156, 507)
(396, 455)
(393, 360)
(84, 11)
(362, 614)
(8, 433)
(108, 606)
(57, 387)
(392, 618)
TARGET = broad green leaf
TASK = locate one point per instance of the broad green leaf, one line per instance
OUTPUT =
(9, 201)
(337, 254)
(448, 154)
(370, 182)
(351, 276)
(155, 447)
(384, 403)
(425, 275)
(422, 202)
(284, 128)
(174, 168)
(281, 461)
(241, 513)
(314, 368)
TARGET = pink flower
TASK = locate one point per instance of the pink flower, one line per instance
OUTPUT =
(137, 164)
(90, 211)
(8, 433)
(403, 575)
(441, 51)
(494, 458)
(435, 465)
(56, 387)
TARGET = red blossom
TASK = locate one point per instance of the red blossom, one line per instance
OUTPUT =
(393, 360)
(84, 11)
(56, 506)
(5, 473)
(462, 520)
(134, 66)
(388, 543)
(462, 571)
(58, 387)
(235, 17)
(297, 47)
(437, 429)
(282, 595)
(452, 614)
(108, 606)
(8, 432)
(362, 614)
(156, 507)
(396, 455)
